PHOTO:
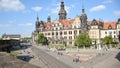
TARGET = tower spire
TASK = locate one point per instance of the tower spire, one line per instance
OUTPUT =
(37, 17)
(62, 13)
(83, 10)
(83, 19)
(49, 18)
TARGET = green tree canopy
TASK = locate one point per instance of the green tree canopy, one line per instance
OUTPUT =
(26, 39)
(41, 38)
(83, 40)
(0, 38)
(107, 40)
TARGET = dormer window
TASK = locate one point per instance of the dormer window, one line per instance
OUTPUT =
(94, 22)
(109, 27)
(56, 28)
(74, 26)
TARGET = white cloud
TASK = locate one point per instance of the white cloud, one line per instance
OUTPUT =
(14, 5)
(107, 1)
(97, 8)
(117, 12)
(26, 24)
(26, 11)
(68, 8)
(37, 8)
(11, 21)
(5, 25)
(56, 10)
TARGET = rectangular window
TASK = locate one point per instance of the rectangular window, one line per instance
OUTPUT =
(110, 33)
(56, 33)
(52, 28)
(65, 33)
(114, 36)
(75, 37)
(48, 33)
(65, 37)
(75, 27)
(79, 31)
(45, 33)
(60, 28)
(114, 32)
(56, 42)
(70, 42)
(75, 32)
(70, 37)
(60, 33)
(52, 33)
(105, 32)
(56, 37)
(70, 32)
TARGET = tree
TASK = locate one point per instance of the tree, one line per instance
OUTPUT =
(83, 40)
(41, 38)
(107, 40)
(26, 39)
(0, 38)
(46, 42)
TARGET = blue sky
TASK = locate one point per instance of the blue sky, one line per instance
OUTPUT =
(19, 16)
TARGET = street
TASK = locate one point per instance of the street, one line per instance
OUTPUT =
(48, 60)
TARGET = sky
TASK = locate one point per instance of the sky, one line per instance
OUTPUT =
(19, 16)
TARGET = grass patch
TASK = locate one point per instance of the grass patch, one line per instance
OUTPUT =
(14, 53)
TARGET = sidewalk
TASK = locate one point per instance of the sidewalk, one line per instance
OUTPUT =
(67, 58)
(89, 59)
(110, 62)
(34, 60)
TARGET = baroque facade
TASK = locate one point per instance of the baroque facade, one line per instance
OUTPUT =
(66, 30)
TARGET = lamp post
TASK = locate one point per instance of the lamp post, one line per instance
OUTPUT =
(99, 45)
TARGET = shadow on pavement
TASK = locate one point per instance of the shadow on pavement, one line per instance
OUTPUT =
(10, 61)
(25, 58)
(118, 56)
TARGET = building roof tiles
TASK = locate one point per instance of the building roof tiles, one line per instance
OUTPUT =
(68, 22)
(107, 24)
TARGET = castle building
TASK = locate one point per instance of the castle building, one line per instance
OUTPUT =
(66, 30)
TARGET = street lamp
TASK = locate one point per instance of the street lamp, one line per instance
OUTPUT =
(99, 45)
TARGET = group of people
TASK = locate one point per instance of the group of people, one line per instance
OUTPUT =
(60, 53)
(76, 59)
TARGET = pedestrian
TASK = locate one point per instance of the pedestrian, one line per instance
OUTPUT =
(58, 53)
(77, 59)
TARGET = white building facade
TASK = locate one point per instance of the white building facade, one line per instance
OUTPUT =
(66, 30)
